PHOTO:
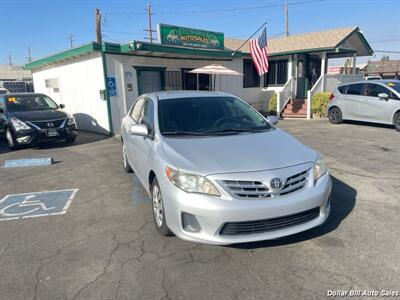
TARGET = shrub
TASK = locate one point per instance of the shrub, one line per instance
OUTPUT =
(272, 104)
(319, 103)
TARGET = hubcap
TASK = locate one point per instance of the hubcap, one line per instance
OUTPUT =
(334, 114)
(397, 120)
(158, 208)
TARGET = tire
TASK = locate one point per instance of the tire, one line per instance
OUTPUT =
(335, 115)
(70, 140)
(158, 210)
(125, 162)
(12, 145)
(396, 121)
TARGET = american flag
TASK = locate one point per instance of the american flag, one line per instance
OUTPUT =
(259, 54)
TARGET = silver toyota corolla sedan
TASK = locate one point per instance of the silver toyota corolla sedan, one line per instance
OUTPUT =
(370, 101)
(218, 172)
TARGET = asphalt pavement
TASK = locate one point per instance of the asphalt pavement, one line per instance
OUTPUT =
(103, 244)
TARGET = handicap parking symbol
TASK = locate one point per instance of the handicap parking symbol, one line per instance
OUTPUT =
(29, 205)
(112, 87)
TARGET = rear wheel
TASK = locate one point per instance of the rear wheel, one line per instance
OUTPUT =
(335, 115)
(10, 140)
(125, 162)
(396, 121)
(158, 209)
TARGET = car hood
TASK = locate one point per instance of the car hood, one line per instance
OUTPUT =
(40, 115)
(237, 153)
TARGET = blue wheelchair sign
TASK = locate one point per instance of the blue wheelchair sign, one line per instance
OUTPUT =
(111, 86)
(29, 205)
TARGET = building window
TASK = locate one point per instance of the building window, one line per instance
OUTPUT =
(173, 80)
(277, 73)
(189, 81)
(52, 83)
(250, 78)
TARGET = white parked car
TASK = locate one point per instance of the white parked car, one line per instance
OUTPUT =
(373, 77)
(219, 172)
(373, 101)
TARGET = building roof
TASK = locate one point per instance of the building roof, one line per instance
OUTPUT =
(14, 72)
(384, 67)
(311, 41)
(337, 42)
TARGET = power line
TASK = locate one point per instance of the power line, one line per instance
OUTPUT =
(224, 10)
(386, 51)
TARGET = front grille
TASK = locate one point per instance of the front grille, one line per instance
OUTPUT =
(266, 225)
(256, 189)
(45, 124)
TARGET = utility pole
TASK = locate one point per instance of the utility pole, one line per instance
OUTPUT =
(9, 59)
(29, 58)
(71, 40)
(150, 29)
(286, 19)
(98, 26)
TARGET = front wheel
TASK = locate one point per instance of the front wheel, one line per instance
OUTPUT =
(70, 140)
(396, 121)
(10, 140)
(335, 115)
(158, 209)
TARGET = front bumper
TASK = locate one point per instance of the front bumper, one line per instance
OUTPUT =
(33, 136)
(211, 213)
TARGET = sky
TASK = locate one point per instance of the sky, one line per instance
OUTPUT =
(44, 25)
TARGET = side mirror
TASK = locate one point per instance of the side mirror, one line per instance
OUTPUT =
(139, 129)
(62, 105)
(273, 120)
(1, 111)
(383, 96)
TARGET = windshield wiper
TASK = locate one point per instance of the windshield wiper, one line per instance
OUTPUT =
(229, 130)
(181, 133)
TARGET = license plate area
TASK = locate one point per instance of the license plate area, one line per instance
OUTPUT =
(52, 133)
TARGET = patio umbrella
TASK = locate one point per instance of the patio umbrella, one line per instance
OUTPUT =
(214, 69)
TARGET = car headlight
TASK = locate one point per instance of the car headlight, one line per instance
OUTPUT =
(71, 121)
(18, 124)
(191, 183)
(319, 168)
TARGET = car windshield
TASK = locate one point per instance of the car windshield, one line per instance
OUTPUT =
(208, 116)
(19, 103)
(394, 85)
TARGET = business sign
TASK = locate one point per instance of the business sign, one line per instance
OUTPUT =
(189, 37)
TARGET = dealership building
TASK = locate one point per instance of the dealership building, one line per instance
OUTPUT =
(98, 82)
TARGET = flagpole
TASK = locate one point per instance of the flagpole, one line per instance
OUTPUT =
(265, 23)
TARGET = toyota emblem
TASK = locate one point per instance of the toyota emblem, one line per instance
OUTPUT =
(50, 124)
(276, 183)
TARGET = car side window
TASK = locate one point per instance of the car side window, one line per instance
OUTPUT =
(136, 110)
(373, 90)
(342, 89)
(147, 115)
(354, 89)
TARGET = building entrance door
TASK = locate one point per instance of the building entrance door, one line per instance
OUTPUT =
(300, 90)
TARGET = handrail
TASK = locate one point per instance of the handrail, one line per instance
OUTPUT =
(284, 96)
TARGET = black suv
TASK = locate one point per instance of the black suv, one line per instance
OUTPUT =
(28, 118)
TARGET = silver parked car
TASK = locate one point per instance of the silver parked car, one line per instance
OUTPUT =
(373, 101)
(218, 172)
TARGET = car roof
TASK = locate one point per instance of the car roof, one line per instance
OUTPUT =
(164, 95)
(383, 81)
(21, 94)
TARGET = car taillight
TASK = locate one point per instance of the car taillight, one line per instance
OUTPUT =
(331, 96)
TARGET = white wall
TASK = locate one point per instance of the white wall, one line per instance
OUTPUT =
(80, 81)
(120, 65)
